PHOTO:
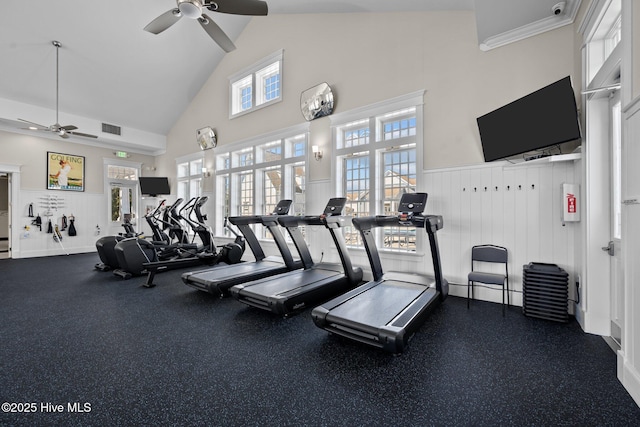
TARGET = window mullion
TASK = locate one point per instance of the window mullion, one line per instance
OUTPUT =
(254, 91)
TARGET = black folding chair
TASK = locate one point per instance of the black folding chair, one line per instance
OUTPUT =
(483, 254)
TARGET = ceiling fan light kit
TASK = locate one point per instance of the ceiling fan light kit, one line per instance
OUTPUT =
(192, 9)
(62, 131)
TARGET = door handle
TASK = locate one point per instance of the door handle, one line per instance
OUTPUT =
(610, 249)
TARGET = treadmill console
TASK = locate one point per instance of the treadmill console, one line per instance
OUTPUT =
(412, 203)
(335, 206)
(282, 208)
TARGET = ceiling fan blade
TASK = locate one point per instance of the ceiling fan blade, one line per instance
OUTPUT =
(69, 127)
(35, 124)
(239, 7)
(216, 33)
(163, 21)
(64, 135)
(86, 135)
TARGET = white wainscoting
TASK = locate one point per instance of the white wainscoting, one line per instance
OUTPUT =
(515, 206)
(83, 206)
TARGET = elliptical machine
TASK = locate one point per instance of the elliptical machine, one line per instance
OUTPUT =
(232, 252)
(106, 244)
(137, 256)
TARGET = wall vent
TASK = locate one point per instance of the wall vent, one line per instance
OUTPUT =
(112, 129)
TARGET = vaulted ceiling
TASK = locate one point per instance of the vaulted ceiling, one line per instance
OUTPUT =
(111, 71)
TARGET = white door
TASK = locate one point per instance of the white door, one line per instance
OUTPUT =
(615, 244)
(5, 215)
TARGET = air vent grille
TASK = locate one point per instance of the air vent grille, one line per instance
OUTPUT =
(112, 129)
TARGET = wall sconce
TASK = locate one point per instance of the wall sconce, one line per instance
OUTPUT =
(317, 153)
(206, 173)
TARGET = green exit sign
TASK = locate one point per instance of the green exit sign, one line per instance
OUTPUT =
(122, 154)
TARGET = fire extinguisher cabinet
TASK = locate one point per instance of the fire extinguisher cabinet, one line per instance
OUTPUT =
(570, 203)
(546, 292)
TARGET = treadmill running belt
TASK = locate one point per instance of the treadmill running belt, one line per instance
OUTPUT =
(378, 305)
(291, 281)
(244, 269)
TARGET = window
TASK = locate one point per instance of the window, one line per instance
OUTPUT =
(604, 38)
(254, 175)
(377, 158)
(189, 173)
(256, 86)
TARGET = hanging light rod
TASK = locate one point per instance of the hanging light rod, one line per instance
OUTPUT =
(603, 88)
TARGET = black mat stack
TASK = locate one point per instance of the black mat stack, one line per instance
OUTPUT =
(546, 291)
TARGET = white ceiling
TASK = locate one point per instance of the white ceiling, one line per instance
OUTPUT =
(111, 71)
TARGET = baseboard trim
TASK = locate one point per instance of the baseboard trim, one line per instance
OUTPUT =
(630, 379)
(52, 252)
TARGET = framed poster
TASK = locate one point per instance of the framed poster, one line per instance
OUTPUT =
(65, 172)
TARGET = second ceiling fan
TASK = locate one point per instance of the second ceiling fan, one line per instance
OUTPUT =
(192, 9)
(62, 131)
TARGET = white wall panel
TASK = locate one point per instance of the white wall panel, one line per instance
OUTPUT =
(83, 206)
(516, 206)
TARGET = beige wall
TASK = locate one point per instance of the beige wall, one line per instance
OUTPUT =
(31, 153)
(368, 58)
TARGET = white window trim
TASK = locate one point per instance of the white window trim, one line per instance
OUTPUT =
(188, 159)
(371, 112)
(256, 142)
(277, 56)
(414, 99)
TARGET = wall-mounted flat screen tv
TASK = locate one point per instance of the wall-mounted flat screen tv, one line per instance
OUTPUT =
(154, 186)
(539, 120)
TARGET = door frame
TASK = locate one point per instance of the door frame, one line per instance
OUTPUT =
(14, 189)
(616, 260)
(107, 193)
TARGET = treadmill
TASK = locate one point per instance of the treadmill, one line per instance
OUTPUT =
(289, 293)
(218, 280)
(388, 310)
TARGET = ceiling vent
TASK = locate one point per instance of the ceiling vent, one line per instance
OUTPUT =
(112, 129)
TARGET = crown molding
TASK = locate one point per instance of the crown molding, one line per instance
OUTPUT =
(533, 29)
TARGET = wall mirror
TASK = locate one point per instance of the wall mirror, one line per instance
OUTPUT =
(316, 102)
(206, 138)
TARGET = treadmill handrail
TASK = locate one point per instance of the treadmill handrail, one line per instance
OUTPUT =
(431, 224)
(295, 221)
(269, 221)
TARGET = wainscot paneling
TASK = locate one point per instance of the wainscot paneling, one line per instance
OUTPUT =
(88, 209)
(518, 206)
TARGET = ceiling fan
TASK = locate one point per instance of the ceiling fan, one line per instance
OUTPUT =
(62, 131)
(192, 9)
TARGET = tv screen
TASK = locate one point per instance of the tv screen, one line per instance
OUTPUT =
(153, 186)
(539, 120)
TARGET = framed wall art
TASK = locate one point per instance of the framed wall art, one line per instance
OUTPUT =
(65, 172)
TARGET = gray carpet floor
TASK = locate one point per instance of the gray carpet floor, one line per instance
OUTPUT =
(113, 353)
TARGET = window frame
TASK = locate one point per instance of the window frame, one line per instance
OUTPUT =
(257, 81)
(192, 176)
(374, 116)
(228, 172)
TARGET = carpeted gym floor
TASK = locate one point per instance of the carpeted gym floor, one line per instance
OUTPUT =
(113, 353)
